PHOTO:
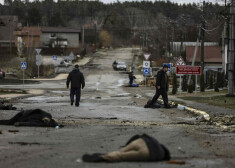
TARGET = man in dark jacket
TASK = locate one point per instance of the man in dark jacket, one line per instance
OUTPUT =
(77, 82)
(161, 87)
(131, 78)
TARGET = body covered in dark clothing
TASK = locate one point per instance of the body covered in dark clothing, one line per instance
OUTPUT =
(157, 151)
(138, 148)
(35, 117)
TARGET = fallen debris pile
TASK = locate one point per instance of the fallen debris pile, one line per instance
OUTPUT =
(149, 82)
(6, 107)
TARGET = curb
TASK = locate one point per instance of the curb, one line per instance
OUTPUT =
(200, 113)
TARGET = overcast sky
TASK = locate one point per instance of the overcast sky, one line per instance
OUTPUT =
(178, 1)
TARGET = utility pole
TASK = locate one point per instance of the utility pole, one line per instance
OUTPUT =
(82, 36)
(231, 50)
(224, 48)
(202, 37)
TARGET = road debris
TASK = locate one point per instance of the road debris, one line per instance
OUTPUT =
(25, 143)
(13, 131)
(175, 162)
(6, 107)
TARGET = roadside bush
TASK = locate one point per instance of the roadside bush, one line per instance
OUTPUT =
(218, 82)
(184, 84)
(194, 82)
(174, 89)
(105, 39)
(202, 83)
(211, 81)
(190, 87)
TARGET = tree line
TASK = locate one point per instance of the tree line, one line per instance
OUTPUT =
(140, 22)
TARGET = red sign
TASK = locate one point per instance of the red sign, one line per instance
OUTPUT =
(188, 70)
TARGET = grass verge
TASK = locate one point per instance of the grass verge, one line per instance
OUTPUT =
(222, 100)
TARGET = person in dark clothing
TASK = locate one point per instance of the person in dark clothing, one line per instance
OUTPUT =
(77, 82)
(35, 117)
(161, 87)
(138, 148)
(131, 78)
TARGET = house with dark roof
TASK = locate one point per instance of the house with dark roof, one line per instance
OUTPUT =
(212, 55)
(8, 24)
(212, 59)
(60, 37)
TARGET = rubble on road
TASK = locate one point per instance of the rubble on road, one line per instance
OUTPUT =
(149, 82)
(24, 143)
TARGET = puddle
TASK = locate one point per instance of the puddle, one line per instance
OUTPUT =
(64, 92)
(43, 99)
(121, 95)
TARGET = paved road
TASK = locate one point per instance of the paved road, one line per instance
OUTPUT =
(108, 116)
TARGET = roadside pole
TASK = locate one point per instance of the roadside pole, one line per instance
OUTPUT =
(231, 50)
(38, 71)
(146, 67)
(195, 84)
(23, 67)
(180, 84)
(145, 81)
(38, 59)
(23, 79)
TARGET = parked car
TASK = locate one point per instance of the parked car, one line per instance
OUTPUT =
(2, 74)
(66, 62)
(121, 66)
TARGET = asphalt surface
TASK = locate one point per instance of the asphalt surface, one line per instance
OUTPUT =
(108, 116)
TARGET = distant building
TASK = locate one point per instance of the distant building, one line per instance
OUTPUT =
(212, 58)
(60, 37)
(29, 35)
(8, 24)
(179, 47)
(212, 55)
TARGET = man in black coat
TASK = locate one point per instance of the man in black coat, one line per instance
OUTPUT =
(77, 82)
(161, 87)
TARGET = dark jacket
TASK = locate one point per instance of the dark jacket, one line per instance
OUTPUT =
(157, 151)
(30, 118)
(162, 80)
(76, 78)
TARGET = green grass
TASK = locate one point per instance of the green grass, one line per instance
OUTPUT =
(222, 101)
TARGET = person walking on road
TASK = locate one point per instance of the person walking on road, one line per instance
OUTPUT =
(77, 82)
(131, 78)
(161, 87)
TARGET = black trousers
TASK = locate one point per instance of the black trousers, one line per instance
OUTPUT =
(164, 95)
(77, 92)
(131, 81)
